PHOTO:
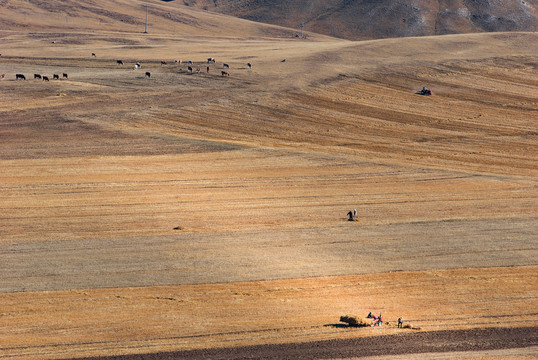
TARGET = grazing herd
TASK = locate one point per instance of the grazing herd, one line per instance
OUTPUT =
(42, 77)
(190, 68)
(137, 65)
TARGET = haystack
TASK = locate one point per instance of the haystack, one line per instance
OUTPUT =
(355, 321)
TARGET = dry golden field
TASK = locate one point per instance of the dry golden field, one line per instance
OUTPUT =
(189, 211)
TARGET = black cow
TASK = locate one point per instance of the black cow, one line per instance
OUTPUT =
(20, 77)
(45, 78)
(119, 62)
(55, 77)
(65, 76)
(148, 74)
(226, 66)
(37, 76)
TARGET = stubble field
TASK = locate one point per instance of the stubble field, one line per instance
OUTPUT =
(195, 211)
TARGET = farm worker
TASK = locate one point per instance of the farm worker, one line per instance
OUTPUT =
(354, 213)
(400, 323)
(378, 320)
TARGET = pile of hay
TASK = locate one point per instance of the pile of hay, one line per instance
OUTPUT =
(409, 326)
(355, 321)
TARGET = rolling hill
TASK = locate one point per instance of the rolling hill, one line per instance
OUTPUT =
(362, 19)
(122, 16)
(188, 210)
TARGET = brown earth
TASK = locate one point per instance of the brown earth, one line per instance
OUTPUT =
(360, 20)
(429, 345)
(195, 211)
(155, 319)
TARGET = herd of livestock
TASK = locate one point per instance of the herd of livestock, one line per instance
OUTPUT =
(39, 76)
(191, 68)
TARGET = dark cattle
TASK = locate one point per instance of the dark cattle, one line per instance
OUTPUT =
(283, 60)
(226, 66)
(55, 77)
(20, 77)
(45, 78)
(163, 62)
(225, 73)
(249, 65)
(210, 60)
(148, 74)
(190, 69)
(208, 69)
(37, 76)
(64, 75)
(93, 54)
(119, 62)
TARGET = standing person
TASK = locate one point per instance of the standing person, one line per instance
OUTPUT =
(400, 323)
(354, 213)
(378, 320)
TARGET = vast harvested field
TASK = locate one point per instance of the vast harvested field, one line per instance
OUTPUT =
(195, 211)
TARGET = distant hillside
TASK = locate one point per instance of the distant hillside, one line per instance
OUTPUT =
(367, 19)
(129, 16)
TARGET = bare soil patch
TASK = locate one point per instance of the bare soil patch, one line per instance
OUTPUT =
(92, 322)
(479, 341)
(147, 215)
